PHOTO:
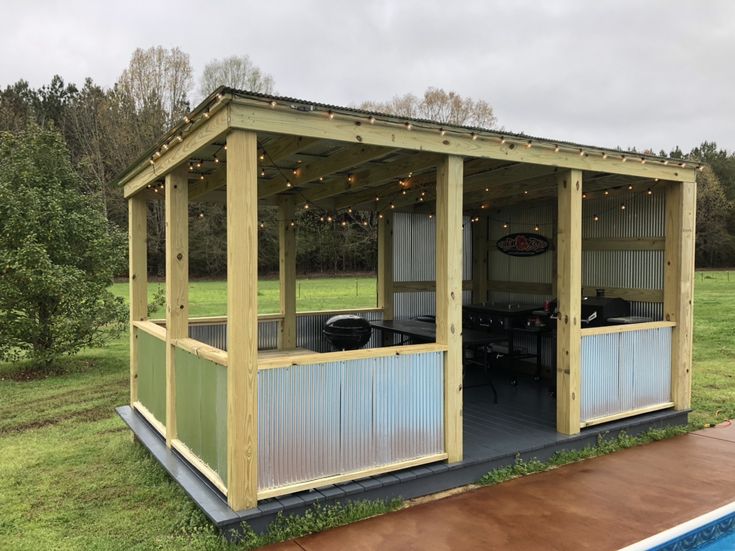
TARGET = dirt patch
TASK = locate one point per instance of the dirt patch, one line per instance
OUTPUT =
(89, 415)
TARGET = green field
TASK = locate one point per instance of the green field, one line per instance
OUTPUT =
(71, 478)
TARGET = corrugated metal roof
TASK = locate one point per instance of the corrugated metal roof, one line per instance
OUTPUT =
(308, 105)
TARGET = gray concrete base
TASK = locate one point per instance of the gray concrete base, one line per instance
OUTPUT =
(407, 484)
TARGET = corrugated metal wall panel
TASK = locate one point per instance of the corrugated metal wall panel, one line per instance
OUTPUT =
(643, 216)
(327, 419)
(423, 303)
(625, 371)
(533, 269)
(414, 247)
(201, 409)
(213, 334)
(152, 374)
(600, 380)
(298, 423)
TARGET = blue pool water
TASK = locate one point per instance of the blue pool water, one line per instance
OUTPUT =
(718, 535)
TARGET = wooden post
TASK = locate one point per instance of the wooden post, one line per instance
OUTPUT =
(569, 293)
(177, 282)
(242, 319)
(385, 265)
(138, 279)
(449, 296)
(480, 275)
(681, 212)
(287, 273)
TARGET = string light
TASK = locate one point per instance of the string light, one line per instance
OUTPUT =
(584, 196)
(622, 206)
(505, 226)
(649, 192)
(596, 218)
(216, 159)
(536, 228)
(630, 187)
(306, 206)
(288, 183)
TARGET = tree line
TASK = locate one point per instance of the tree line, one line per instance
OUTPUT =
(106, 128)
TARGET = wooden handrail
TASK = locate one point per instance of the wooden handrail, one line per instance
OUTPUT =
(151, 328)
(611, 329)
(276, 362)
(201, 350)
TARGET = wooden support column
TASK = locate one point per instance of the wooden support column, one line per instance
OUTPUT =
(177, 282)
(569, 293)
(449, 296)
(480, 274)
(242, 319)
(287, 273)
(385, 265)
(138, 279)
(681, 212)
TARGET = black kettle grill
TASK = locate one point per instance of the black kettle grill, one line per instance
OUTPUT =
(347, 332)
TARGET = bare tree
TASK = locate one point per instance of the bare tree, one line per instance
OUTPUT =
(157, 82)
(438, 105)
(236, 72)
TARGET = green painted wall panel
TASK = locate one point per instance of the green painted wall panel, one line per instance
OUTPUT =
(152, 374)
(201, 409)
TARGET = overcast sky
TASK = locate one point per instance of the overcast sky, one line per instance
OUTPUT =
(654, 73)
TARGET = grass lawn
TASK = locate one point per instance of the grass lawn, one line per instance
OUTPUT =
(70, 477)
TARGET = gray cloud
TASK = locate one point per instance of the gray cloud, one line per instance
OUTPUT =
(645, 74)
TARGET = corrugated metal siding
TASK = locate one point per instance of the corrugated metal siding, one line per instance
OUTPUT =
(214, 334)
(201, 409)
(414, 247)
(534, 269)
(152, 374)
(412, 304)
(625, 371)
(643, 216)
(326, 419)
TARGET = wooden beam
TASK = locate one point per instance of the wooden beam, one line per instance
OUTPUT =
(569, 292)
(480, 246)
(623, 244)
(344, 127)
(207, 131)
(349, 157)
(385, 265)
(138, 280)
(422, 286)
(242, 315)
(286, 146)
(287, 273)
(678, 285)
(279, 150)
(177, 283)
(449, 297)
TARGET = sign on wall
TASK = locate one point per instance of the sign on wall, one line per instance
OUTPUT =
(523, 244)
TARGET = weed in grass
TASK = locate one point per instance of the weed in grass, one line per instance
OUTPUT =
(316, 518)
(603, 446)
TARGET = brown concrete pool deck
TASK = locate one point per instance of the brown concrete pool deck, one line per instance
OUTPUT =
(599, 504)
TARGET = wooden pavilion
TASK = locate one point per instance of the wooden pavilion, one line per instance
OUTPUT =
(257, 408)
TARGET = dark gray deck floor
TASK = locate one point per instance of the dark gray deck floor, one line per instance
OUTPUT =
(521, 424)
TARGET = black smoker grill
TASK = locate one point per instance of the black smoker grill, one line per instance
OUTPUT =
(596, 311)
(347, 332)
